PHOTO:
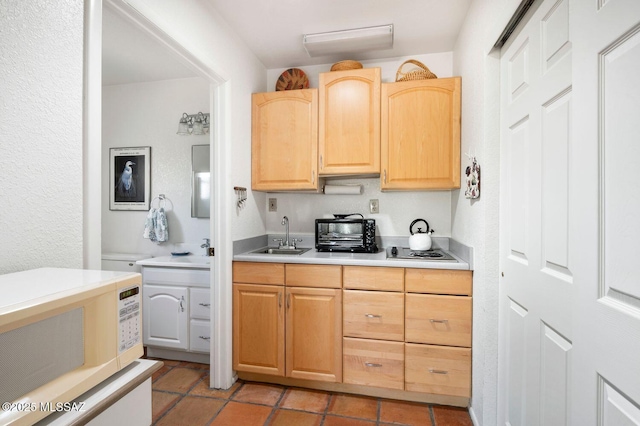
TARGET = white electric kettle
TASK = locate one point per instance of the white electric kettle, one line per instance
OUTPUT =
(420, 240)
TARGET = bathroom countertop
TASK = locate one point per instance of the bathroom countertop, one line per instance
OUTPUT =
(191, 261)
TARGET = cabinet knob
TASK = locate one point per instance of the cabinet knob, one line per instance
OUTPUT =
(206, 305)
(204, 338)
(432, 371)
(372, 316)
(372, 364)
(443, 321)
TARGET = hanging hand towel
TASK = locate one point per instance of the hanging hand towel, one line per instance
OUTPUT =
(162, 229)
(150, 225)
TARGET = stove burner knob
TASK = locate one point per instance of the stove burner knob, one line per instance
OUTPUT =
(394, 251)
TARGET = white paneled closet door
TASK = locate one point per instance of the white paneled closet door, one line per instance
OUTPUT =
(535, 250)
(606, 224)
(570, 295)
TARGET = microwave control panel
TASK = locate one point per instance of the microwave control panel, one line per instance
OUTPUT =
(130, 318)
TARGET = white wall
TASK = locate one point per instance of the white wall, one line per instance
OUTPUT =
(147, 114)
(397, 209)
(476, 223)
(200, 30)
(41, 190)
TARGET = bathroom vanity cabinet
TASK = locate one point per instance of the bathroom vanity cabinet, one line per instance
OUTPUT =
(176, 313)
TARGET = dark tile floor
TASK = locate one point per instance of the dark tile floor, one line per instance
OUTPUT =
(181, 396)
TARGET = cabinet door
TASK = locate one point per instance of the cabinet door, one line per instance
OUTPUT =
(166, 319)
(420, 139)
(314, 334)
(349, 117)
(258, 328)
(284, 140)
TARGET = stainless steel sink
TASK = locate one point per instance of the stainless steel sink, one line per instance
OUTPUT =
(276, 250)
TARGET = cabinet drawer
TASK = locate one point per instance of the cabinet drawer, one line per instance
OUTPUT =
(373, 315)
(438, 369)
(373, 278)
(438, 281)
(324, 276)
(258, 273)
(373, 363)
(200, 303)
(177, 276)
(199, 336)
(438, 320)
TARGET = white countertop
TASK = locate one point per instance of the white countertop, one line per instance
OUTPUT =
(192, 261)
(359, 259)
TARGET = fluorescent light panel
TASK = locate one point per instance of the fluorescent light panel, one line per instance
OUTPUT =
(349, 41)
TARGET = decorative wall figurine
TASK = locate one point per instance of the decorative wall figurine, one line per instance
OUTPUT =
(472, 189)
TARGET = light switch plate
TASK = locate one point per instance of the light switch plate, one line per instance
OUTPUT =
(273, 204)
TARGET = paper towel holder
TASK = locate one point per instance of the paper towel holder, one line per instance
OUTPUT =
(344, 189)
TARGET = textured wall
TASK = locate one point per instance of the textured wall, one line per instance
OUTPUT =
(41, 46)
(397, 209)
(147, 114)
(476, 223)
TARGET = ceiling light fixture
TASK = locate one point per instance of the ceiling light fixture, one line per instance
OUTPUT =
(349, 41)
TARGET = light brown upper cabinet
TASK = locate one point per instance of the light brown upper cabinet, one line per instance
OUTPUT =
(284, 140)
(349, 122)
(420, 140)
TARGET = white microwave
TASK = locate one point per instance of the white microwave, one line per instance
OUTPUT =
(62, 332)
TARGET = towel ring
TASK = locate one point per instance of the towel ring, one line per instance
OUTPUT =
(162, 201)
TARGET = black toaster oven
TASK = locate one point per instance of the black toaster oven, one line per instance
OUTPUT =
(346, 234)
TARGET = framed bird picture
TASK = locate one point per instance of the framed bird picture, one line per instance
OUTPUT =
(130, 178)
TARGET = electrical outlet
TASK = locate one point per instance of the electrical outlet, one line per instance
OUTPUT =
(273, 204)
(374, 206)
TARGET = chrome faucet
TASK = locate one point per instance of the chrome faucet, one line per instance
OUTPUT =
(206, 246)
(285, 222)
(286, 243)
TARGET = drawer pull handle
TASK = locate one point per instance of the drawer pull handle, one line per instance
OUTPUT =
(443, 321)
(372, 316)
(204, 338)
(206, 305)
(431, 370)
(371, 364)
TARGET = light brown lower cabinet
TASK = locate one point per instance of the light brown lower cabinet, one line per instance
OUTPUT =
(438, 369)
(293, 332)
(392, 332)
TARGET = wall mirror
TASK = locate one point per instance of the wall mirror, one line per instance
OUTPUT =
(200, 181)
